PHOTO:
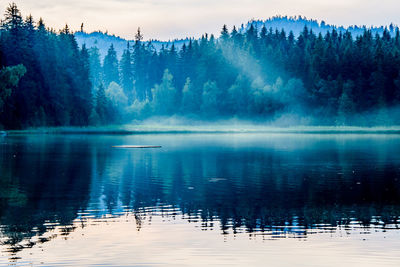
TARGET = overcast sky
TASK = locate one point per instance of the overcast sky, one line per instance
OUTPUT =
(168, 19)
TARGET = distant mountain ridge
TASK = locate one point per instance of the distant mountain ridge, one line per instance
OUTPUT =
(104, 40)
(295, 24)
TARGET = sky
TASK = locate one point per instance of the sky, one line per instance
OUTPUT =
(170, 19)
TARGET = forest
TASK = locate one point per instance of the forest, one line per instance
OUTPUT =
(265, 75)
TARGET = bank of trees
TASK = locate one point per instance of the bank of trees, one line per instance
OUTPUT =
(333, 78)
(53, 86)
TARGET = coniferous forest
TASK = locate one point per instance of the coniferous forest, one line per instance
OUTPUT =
(265, 75)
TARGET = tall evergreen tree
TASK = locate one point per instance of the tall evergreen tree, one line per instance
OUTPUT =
(9, 78)
(110, 67)
(96, 71)
(127, 73)
(164, 95)
(102, 106)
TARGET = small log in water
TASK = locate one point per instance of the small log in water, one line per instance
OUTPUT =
(127, 146)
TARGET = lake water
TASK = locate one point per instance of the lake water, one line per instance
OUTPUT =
(201, 199)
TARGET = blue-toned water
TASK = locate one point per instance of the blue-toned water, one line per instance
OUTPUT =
(201, 199)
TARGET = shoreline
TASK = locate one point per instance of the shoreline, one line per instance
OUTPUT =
(243, 129)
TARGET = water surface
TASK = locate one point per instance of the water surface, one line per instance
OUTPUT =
(216, 199)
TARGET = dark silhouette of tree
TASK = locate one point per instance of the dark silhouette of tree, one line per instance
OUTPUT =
(127, 73)
(110, 68)
(56, 88)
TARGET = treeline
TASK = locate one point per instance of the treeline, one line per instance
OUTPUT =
(54, 87)
(327, 79)
(334, 79)
(296, 25)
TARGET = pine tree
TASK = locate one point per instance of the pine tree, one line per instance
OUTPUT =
(9, 79)
(101, 106)
(139, 67)
(164, 96)
(12, 18)
(210, 99)
(95, 67)
(127, 73)
(224, 33)
(110, 67)
(190, 100)
(346, 105)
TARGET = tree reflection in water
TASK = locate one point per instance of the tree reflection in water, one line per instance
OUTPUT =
(276, 185)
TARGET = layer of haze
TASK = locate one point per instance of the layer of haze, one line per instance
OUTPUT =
(170, 19)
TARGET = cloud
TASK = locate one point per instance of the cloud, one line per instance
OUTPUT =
(168, 19)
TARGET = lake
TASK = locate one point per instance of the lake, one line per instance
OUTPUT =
(252, 199)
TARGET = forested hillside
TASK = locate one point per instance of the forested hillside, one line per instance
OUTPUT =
(331, 79)
(296, 25)
(255, 73)
(103, 41)
(54, 86)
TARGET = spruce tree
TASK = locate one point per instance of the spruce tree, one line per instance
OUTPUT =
(127, 73)
(110, 66)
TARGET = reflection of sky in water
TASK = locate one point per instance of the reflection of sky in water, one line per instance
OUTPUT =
(117, 242)
(219, 189)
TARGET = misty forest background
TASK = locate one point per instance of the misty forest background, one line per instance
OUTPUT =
(328, 76)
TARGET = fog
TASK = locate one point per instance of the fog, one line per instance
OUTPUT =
(268, 77)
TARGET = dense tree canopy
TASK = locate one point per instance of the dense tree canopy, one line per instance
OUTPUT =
(330, 78)
(56, 89)
(335, 78)
(9, 78)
